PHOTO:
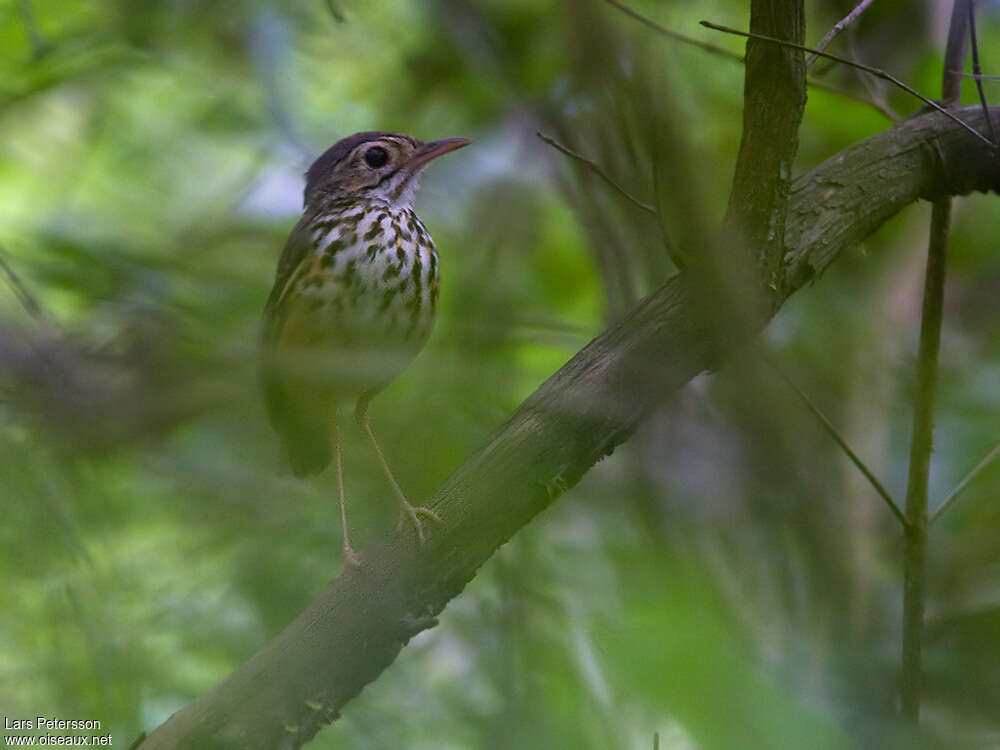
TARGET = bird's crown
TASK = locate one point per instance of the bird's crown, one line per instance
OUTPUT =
(374, 165)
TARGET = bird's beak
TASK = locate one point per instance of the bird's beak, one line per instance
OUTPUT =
(433, 150)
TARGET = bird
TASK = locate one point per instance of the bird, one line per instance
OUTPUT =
(353, 302)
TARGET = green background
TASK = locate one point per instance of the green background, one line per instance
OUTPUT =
(726, 579)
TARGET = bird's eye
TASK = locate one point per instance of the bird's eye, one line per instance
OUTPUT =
(376, 157)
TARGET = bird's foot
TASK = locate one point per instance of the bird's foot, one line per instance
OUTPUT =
(350, 558)
(413, 513)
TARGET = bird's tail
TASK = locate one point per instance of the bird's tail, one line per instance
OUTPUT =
(306, 443)
(301, 418)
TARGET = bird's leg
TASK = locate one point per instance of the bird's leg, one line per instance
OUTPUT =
(351, 557)
(405, 509)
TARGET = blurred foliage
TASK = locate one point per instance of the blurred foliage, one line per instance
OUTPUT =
(727, 579)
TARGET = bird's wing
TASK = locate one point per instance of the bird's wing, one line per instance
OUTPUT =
(295, 251)
(294, 409)
(289, 266)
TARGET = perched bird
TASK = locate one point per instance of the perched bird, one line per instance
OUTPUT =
(354, 300)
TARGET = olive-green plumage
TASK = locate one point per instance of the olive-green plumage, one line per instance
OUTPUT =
(354, 296)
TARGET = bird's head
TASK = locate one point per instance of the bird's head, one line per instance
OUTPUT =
(374, 165)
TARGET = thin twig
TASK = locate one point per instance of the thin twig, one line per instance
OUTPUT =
(842, 24)
(875, 87)
(860, 66)
(598, 170)
(647, 21)
(922, 437)
(977, 71)
(673, 252)
(27, 300)
(976, 471)
(842, 442)
(734, 57)
(977, 76)
(39, 46)
(337, 13)
(915, 540)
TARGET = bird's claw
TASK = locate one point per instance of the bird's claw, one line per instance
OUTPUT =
(414, 513)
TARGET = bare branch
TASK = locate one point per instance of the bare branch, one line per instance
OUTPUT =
(842, 24)
(39, 45)
(966, 480)
(921, 439)
(660, 29)
(922, 435)
(28, 300)
(337, 13)
(734, 57)
(842, 442)
(977, 76)
(860, 66)
(598, 170)
(774, 101)
(875, 87)
(977, 71)
(956, 49)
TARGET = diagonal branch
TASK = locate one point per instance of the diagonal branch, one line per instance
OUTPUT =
(598, 170)
(838, 27)
(302, 679)
(978, 469)
(26, 298)
(336, 12)
(841, 441)
(676, 36)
